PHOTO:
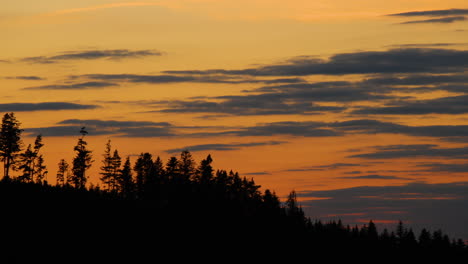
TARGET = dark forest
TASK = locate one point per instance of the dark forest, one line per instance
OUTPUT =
(149, 207)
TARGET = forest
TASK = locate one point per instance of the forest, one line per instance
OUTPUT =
(149, 206)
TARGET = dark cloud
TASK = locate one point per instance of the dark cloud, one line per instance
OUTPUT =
(444, 20)
(433, 206)
(53, 106)
(412, 151)
(301, 129)
(112, 123)
(26, 78)
(445, 105)
(92, 55)
(107, 127)
(358, 126)
(177, 78)
(257, 173)
(327, 167)
(224, 147)
(426, 45)
(444, 167)
(442, 12)
(373, 177)
(265, 104)
(75, 86)
(411, 60)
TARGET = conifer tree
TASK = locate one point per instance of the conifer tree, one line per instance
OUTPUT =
(143, 168)
(10, 142)
(205, 170)
(62, 173)
(186, 166)
(81, 162)
(106, 168)
(126, 179)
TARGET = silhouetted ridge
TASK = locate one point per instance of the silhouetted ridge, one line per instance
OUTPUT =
(148, 207)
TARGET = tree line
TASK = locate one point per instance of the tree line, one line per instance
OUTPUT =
(215, 199)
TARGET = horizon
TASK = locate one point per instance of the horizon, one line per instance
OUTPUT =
(358, 107)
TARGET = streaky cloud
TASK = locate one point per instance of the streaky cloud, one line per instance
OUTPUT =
(440, 12)
(406, 60)
(411, 151)
(115, 54)
(225, 147)
(444, 105)
(46, 106)
(75, 86)
(444, 20)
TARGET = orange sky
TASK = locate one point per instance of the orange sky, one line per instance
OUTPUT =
(305, 95)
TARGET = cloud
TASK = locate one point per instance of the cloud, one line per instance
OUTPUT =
(412, 151)
(350, 127)
(46, 106)
(410, 60)
(442, 12)
(75, 86)
(426, 45)
(224, 147)
(374, 177)
(433, 206)
(26, 78)
(327, 167)
(116, 54)
(445, 105)
(264, 104)
(177, 78)
(95, 127)
(444, 167)
(444, 20)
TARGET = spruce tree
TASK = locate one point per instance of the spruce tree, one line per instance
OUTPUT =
(10, 142)
(62, 173)
(81, 162)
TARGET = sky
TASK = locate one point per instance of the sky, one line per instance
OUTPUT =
(359, 106)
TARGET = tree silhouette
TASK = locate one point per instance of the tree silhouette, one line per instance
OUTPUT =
(10, 142)
(62, 173)
(110, 168)
(81, 162)
(126, 183)
(143, 169)
(31, 163)
(186, 166)
(205, 170)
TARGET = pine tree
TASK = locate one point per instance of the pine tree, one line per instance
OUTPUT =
(116, 163)
(205, 170)
(186, 166)
(106, 168)
(126, 179)
(10, 142)
(26, 165)
(40, 170)
(143, 168)
(81, 162)
(62, 173)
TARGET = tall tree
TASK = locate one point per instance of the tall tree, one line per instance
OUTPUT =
(81, 162)
(172, 169)
(62, 173)
(26, 160)
(31, 163)
(126, 183)
(205, 170)
(107, 167)
(10, 142)
(116, 163)
(143, 168)
(186, 166)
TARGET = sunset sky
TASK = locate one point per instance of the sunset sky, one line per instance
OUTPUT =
(359, 106)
